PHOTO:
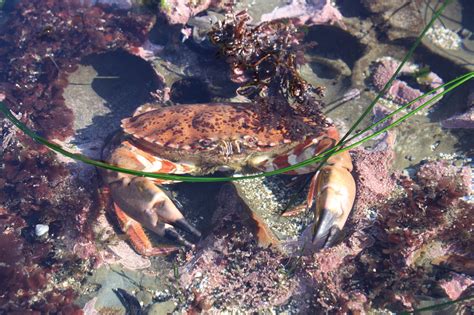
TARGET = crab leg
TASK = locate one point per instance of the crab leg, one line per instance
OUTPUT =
(332, 189)
(138, 201)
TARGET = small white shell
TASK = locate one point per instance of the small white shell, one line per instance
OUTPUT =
(41, 229)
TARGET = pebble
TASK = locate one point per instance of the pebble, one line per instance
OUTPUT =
(41, 230)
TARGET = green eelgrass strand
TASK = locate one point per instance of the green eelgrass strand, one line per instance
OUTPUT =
(394, 76)
(317, 159)
(344, 140)
(386, 86)
(335, 150)
(447, 88)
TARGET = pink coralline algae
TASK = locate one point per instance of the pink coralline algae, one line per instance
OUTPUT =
(400, 91)
(455, 286)
(371, 172)
(180, 11)
(230, 270)
(328, 274)
(313, 12)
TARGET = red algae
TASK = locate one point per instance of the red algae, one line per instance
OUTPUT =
(47, 40)
(402, 251)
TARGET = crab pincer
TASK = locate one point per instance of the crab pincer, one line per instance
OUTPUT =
(138, 202)
(334, 190)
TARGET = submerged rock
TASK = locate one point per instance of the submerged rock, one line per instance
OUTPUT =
(463, 120)
(400, 19)
(303, 12)
(180, 11)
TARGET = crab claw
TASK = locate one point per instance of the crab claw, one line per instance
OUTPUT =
(171, 234)
(326, 231)
(185, 226)
(333, 187)
(140, 199)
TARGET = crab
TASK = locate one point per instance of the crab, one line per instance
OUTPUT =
(200, 139)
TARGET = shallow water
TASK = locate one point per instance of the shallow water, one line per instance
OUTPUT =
(75, 92)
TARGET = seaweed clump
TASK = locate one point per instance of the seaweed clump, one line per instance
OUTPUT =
(264, 59)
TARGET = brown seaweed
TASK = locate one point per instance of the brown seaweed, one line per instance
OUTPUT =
(264, 59)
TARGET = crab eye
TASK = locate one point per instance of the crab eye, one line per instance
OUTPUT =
(250, 141)
(206, 143)
(249, 91)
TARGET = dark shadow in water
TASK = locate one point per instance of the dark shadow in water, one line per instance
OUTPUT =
(335, 43)
(190, 90)
(467, 16)
(124, 82)
(352, 8)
